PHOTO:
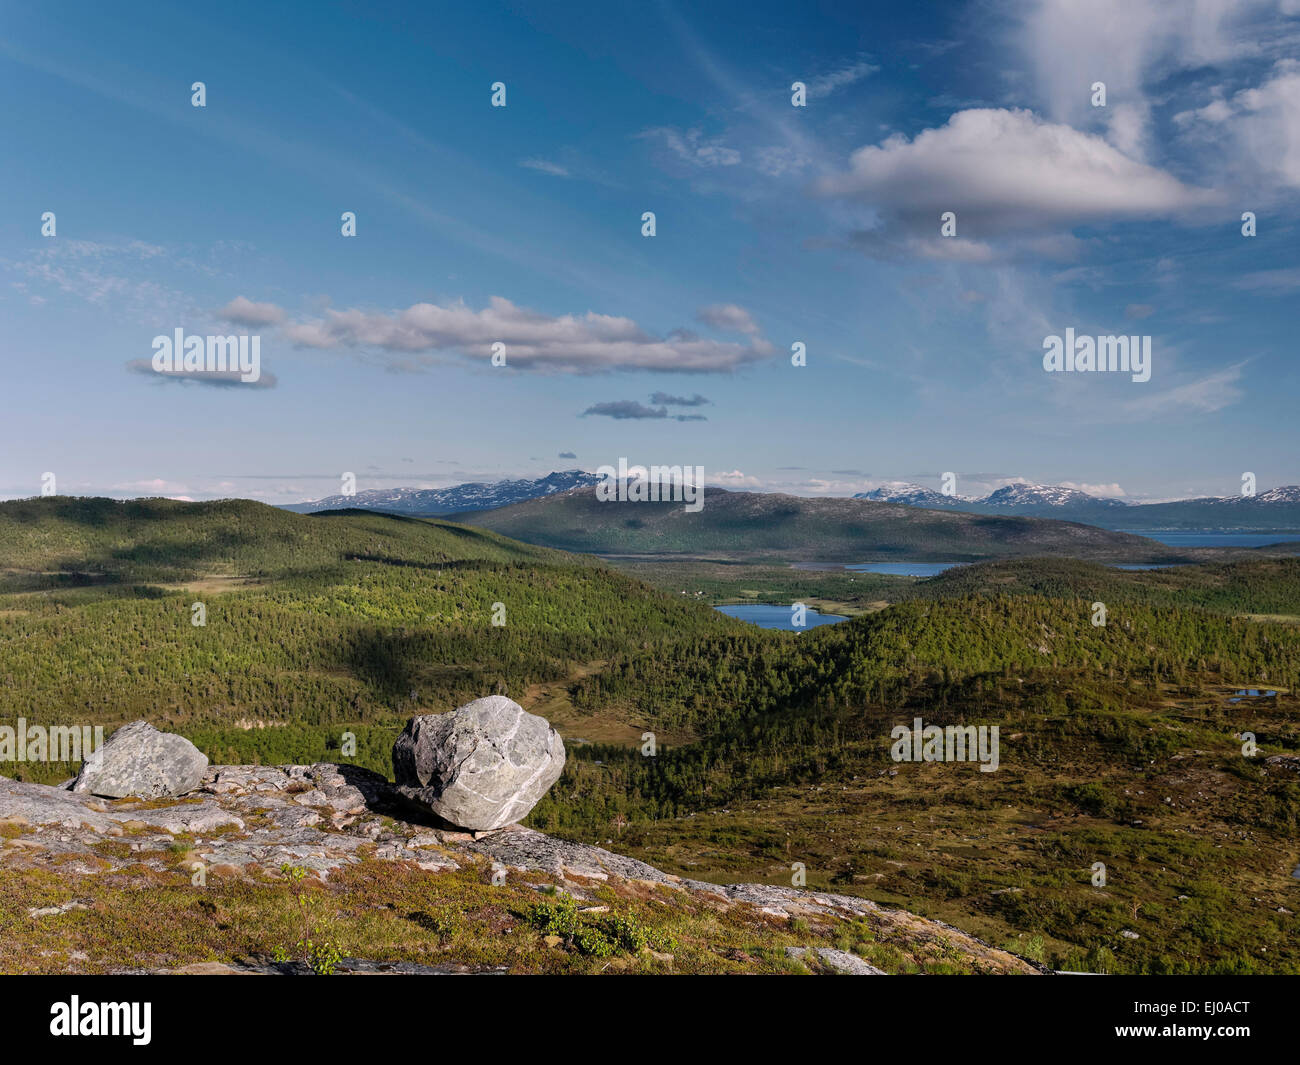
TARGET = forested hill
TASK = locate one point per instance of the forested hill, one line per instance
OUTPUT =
(752, 525)
(308, 622)
(161, 539)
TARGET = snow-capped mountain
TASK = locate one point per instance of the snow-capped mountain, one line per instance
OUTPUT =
(1270, 511)
(428, 502)
(1010, 497)
(1015, 496)
(1290, 494)
(914, 495)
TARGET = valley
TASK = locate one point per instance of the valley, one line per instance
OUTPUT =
(1120, 743)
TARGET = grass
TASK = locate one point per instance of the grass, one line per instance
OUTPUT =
(394, 912)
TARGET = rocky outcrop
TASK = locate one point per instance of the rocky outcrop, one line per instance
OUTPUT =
(246, 822)
(839, 961)
(139, 761)
(481, 767)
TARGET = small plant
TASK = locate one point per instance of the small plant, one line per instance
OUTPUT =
(598, 936)
(321, 955)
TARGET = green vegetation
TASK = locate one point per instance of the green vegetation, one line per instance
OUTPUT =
(759, 527)
(598, 935)
(321, 954)
(1119, 743)
(315, 625)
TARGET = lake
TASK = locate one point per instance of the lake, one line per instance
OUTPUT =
(903, 569)
(768, 616)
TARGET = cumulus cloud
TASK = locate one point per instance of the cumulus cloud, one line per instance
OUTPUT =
(1131, 45)
(1005, 171)
(588, 343)
(729, 317)
(245, 312)
(1257, 130)
(566, 455)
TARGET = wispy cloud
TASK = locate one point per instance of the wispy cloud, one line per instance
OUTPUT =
(545, 166)
(825, 84)
(693, 147)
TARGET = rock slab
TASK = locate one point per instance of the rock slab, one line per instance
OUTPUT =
(138, 760)
(482, 766)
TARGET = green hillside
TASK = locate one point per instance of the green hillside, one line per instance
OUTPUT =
(312, 622)
(749, 525)
(1121, 744)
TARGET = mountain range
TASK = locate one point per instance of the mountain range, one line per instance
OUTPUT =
(430, 502)
(1276, 509)
(767, 525)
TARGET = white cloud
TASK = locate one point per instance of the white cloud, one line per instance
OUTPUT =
(545, 166)
(825, 84)
(245, 312)
(588, 343)
(1257, 131)
(1204, 395)
(692, 147)
(1001, 170)
(778, 160)
(732, 479)
(108, 276)
(1130, 45)
(727, 316)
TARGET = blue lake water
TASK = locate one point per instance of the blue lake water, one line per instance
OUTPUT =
(1213, 538)
(1252, 693)
(768, 616)
(904, 569)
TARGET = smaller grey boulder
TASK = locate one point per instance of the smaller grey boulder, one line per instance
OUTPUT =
(140, 761)
(483, 766)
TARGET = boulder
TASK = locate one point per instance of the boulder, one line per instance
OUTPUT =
(482, 766)
(140, 761)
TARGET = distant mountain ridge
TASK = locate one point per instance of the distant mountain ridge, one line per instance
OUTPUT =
(762, 525)
(432, 502)
(1276, 509)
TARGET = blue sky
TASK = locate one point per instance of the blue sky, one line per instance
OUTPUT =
(775, 224)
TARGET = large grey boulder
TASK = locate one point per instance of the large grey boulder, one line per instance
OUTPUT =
(141, 761)
(483, 766)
